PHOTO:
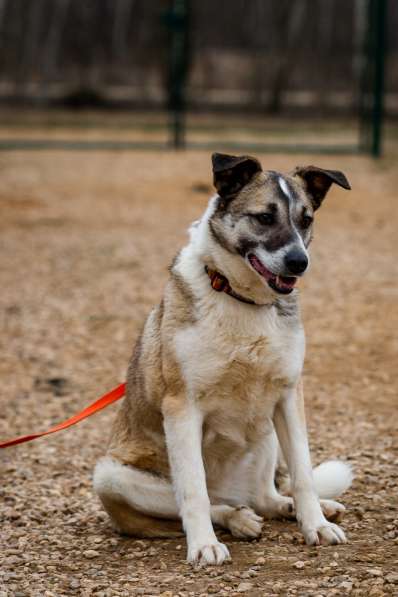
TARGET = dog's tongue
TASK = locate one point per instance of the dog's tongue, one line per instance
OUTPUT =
(285, 282)
(261, 269)
(282, 283)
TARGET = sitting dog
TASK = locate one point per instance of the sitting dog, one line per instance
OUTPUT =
(214, 385)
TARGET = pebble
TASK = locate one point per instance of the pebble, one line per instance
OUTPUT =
(74, 584)
(91, 553)
(392, 578)
(13, 514)
(244, 586)
(375, 572)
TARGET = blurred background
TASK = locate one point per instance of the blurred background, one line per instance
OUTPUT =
(288, 74)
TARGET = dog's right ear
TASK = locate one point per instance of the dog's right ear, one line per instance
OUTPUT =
(231, 173)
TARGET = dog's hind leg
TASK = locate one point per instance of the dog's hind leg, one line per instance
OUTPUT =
(241, 521)
(143, 505)
(138, 503)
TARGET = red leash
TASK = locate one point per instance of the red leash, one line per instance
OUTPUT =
(99, 404)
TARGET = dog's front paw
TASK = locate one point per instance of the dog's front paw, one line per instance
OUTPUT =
(244, 523)
(325, 533)
(277, 506)
(212, 553)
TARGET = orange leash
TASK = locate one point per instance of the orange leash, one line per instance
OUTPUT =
(99, 404)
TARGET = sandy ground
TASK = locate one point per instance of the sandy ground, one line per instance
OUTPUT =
(85, 243)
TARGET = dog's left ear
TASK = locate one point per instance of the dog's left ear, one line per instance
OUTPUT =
(317, 182)
(231, 173)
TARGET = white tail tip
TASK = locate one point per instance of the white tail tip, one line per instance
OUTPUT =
(332, 478)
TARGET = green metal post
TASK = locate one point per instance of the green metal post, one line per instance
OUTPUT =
(378, 16)
(177, 21)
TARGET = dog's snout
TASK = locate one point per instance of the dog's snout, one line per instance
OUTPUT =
(296, 261)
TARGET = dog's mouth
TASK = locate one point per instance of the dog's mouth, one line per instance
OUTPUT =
(281, 284)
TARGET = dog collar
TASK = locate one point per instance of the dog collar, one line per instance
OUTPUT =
(220, 283)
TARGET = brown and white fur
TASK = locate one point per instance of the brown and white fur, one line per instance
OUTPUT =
(214, 385)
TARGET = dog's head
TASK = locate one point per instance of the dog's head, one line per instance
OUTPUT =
(266, 218)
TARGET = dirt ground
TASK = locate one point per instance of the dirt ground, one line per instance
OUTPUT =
(85, 243)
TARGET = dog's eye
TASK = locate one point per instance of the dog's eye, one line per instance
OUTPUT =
(306, 221)
(266, 219)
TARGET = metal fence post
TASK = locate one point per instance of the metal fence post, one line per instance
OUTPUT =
(178, 23)
(378, 15)
(372, 79)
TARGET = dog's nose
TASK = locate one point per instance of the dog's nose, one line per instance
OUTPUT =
(296, 261)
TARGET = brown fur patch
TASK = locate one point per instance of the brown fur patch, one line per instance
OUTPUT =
(131, 522)
(173, 405)
(185, 303)
(152, 369)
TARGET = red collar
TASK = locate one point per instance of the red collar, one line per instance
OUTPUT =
(220, 284)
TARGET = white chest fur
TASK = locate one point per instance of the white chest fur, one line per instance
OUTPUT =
(236, 360)
(228, 337)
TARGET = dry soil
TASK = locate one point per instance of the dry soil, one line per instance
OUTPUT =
(85, 243)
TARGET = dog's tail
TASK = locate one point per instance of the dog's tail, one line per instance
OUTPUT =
(331, 479)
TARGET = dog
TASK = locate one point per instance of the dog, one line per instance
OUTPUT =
(214, 403)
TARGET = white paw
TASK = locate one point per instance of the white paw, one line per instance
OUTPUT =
(333, 511)
(212, 553)
(325, 533)
(284, 507)
(244, 523)
(278, 507)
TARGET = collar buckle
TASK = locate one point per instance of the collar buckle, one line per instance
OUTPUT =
(220, 283)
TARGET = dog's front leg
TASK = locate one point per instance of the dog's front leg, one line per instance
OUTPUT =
(183, 428)
(292, 436)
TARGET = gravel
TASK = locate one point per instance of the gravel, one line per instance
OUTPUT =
(85, 242)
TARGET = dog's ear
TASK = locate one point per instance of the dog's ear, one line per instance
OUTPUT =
(317, 182)
(231, 173)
